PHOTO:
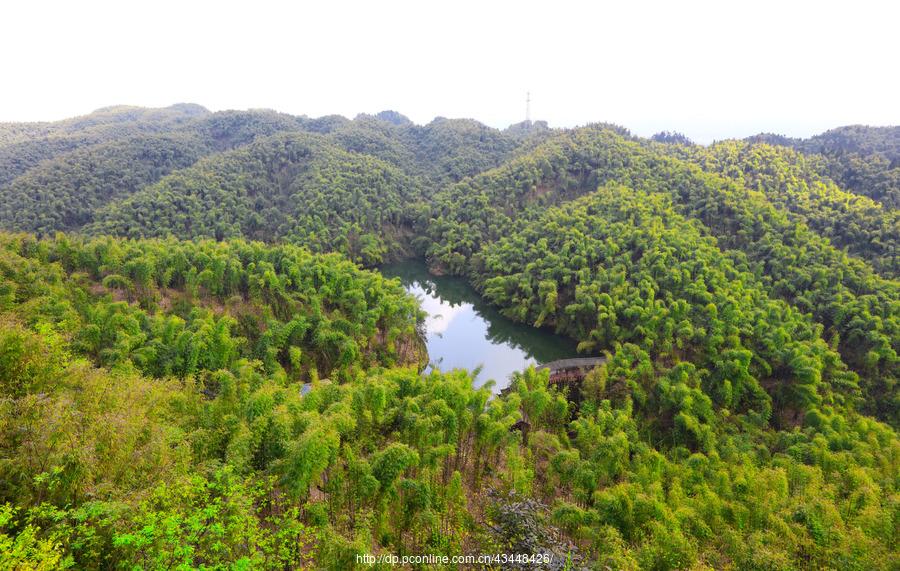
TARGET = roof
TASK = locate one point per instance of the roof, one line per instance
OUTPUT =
(575, 363)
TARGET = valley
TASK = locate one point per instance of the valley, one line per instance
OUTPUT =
(463, 331)
(254, 340)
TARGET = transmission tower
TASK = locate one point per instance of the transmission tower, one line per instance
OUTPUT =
(528, 106)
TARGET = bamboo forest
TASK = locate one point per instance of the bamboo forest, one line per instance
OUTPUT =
(216, 349)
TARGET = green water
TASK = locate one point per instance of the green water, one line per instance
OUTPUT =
(465, 331)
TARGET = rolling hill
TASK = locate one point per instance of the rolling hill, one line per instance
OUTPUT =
(198, 370)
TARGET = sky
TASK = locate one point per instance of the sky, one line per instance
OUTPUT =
(710, 70)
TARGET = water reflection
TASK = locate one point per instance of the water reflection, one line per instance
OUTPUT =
(464, 331)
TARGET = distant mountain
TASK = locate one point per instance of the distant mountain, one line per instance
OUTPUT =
(22, 149)
(394, 117)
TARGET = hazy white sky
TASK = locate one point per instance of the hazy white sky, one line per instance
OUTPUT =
(708, 69)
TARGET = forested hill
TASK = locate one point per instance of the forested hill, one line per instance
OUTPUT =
(196, 370)
(293, 187)
(104, 173)
(862, 159)
(24, 146)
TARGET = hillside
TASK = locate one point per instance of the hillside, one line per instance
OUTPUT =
(857, 308)
(65, 193)
(793, 182)
(293, 188)
(197, 370)
(21, 150)
(861, 159)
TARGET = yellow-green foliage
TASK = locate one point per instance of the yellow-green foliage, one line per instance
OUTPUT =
(218, 403)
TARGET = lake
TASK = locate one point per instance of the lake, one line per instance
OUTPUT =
(464, 331)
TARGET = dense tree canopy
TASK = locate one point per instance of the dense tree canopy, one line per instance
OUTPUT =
(195, 371)
(864, 160)
(792, 182)
(21, 150)
(293, 187)
(620, 266)
(65, 193)
(858, 309)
